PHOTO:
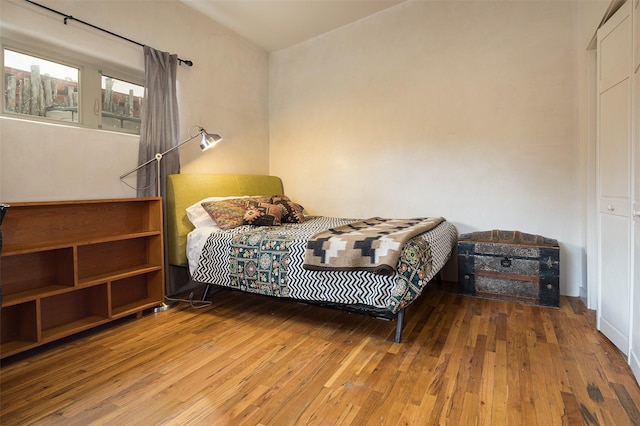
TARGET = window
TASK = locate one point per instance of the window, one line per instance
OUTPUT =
(50, 90)
(121, 104)
(35, 86)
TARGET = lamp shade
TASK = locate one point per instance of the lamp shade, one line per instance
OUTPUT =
(209, 140)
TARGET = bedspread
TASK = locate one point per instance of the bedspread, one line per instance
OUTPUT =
(269, 260)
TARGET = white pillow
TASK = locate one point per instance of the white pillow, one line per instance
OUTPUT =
(199, 217)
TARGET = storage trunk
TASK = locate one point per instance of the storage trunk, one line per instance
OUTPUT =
(510, 265)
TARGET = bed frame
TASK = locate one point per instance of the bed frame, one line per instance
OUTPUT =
(184, 190)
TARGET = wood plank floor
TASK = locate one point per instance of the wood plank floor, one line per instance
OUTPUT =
(251, 360)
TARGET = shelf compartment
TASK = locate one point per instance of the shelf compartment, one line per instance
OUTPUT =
(135, 293)
(14, 249)
(19, 328)
(117, 275)
(97, 261)
(71, 312)
(26, 275)
(45, 224)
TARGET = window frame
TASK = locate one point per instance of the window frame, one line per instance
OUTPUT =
(89, 84)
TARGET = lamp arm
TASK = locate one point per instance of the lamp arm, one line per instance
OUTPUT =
(139, 167)
(173, 148)
(159, 155)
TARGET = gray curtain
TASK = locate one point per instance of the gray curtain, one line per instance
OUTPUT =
(160, 121)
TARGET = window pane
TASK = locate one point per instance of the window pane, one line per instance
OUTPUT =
(121, 105)
(38, 87)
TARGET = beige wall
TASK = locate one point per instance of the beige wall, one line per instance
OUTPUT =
(226, 91)
(469, 110)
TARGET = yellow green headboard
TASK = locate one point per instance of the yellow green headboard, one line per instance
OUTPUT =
(184, 190)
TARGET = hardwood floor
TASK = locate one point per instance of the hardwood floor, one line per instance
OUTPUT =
(251, 360)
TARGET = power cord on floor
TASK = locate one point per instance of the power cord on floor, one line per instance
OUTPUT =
(195, 304)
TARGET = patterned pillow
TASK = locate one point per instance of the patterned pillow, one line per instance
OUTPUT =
(199, 217)
(263, 214)
(229, 214)
(292, 211)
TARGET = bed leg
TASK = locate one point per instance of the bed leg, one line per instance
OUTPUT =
(206, 292)
(439, 279)
(399, 324)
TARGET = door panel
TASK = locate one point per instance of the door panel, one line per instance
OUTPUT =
(615, 126)
(634, 358)
(615, 312)
(615, 53)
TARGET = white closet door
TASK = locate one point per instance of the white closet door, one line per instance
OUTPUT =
(614, 146)
(634, 358)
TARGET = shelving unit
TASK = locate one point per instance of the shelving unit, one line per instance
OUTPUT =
(72, 265)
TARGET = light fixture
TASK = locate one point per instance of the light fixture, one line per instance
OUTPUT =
(208, 140)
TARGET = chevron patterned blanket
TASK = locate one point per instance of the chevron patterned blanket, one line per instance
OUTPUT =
(373, 244)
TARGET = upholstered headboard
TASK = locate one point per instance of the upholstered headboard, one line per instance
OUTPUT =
(184, 190)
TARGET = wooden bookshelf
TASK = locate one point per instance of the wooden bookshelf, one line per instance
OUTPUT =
(69, 266)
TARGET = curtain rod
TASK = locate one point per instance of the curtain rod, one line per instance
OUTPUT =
(69, 17)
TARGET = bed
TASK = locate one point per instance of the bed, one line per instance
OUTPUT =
(294, 256)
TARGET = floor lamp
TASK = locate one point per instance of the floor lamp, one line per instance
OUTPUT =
(207, 141)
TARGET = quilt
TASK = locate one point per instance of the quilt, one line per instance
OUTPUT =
(373, 244)
(259, 261)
